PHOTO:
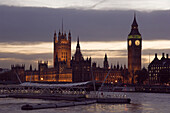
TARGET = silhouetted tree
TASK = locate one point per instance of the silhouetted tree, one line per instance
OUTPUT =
(142, 75)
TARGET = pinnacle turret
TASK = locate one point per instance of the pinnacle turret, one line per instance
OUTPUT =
(134, 27)
(105, 58)
(78, 45)
(55, 33)
(105, 63)
(134, 24)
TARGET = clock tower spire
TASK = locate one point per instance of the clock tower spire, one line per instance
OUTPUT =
(134, 43)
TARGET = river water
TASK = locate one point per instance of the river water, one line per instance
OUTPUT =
(140, 103)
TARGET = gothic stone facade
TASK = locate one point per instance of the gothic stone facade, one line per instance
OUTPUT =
(61, 72)
(134, 43)
(82, 70)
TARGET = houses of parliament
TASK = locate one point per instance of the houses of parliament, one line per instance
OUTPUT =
(79, 69)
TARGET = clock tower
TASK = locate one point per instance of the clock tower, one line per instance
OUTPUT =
(134, 43)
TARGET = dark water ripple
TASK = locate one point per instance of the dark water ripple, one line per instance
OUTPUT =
(141, 103)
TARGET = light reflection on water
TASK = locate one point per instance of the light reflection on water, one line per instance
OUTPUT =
(141, 103)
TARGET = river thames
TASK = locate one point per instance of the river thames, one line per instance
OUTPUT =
(140, 103)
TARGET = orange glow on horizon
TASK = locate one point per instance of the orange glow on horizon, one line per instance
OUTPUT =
(95, 49)
(47, 47)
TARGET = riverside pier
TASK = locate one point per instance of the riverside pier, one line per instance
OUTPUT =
(69, 92)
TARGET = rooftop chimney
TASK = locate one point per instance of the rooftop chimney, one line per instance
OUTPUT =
(163, 55)
(167, 56)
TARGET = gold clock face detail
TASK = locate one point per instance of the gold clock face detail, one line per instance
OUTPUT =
(130, 42)
(137, 42)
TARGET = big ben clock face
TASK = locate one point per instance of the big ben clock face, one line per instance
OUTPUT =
(137, 42)
(130, 42)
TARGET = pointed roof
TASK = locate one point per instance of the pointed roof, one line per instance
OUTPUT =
(134, 21)
(78, 45)
(59, 32)
(63, 35)
(30, 67)
(78, 55)
(111, 66)
(55, 33)
(155, 60)
(134, 27)
(69, 33)
(105, 58)
(62, 25)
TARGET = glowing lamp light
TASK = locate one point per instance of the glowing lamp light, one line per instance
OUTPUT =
(42, 78)
(115, 81)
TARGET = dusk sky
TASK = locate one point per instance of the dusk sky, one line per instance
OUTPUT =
(27, 28)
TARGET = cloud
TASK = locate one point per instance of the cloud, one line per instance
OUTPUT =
(7, 59)
(23, 47)
(26, 33)
(144, 5)
(38, 24)
(98, 3)
(115, 55)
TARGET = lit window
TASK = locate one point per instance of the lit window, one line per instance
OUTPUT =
(42, 78)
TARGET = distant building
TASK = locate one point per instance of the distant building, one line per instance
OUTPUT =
(61, 72)
(117, 75)
(42, 74)
(62, 56)
(18, 72)
(134, 43)
(48, 74)
(15, 75)
(81, 69)
(62, 49)
(159, 70)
